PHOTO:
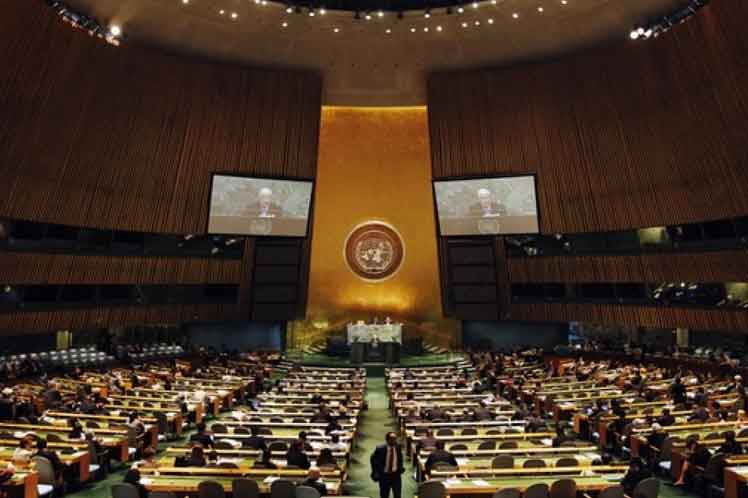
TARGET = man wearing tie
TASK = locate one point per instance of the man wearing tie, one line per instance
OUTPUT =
(387, 466)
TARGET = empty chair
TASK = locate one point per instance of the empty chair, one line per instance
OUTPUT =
(54, 438)
(124, 490)
(494, 432)
(241, 430)
(648, 488)
(612, 492)
(46, 472)
(469, 431)
(502, 462)
(537, 490)
(458, 447)
(507, 493)
(564, 488)
(445, 432)
(219, 428)
(282, 488)
(432, 489)
(743, 432)
(92, 425)
(161, 494)
(567, 462)
(264, 431)
(508, 445)
(243, 488)
(487, 445)
(223, 445)
(533, 463)
(568, 444)
(227, 465)
(306, 492)
(210, 489)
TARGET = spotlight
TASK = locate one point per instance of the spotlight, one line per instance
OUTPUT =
(368, 16)
(634, 34)
(460, 9)
(336, 30)
(515, 15)
(475, 5)
(289, 10)
(380, 13)
(115, 30)
(284, 24)
(388, 31)
(311, 12)
(412, 30)
(439, 28)
(427, 13)
(322, 11)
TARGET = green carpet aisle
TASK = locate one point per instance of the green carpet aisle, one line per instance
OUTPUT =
(375, 424)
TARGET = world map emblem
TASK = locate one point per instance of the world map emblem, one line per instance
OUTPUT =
(374, 251)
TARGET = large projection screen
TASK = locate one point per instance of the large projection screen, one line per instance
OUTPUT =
(259, 206)
(487, 206)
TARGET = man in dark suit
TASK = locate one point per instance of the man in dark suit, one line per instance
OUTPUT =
(202, 436)
(312, 480)
(440, 455)
(387, 467)
(255, 441)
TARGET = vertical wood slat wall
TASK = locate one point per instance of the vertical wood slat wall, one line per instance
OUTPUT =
(126, 138)
(634, 134)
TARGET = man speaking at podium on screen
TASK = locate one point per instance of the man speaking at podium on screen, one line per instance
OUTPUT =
(265, 207)
(487, 207)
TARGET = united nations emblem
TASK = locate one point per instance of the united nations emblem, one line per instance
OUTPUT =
(374, 251)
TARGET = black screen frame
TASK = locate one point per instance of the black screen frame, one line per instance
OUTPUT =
(434, 181)
(312, 181)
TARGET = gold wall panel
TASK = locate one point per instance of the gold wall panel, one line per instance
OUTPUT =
(374, 165)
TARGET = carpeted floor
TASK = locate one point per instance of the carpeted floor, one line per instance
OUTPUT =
(374, 425)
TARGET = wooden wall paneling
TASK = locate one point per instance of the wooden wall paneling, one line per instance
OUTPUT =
(628, 135)
(716, 266)
(657, 317)
(126, 138)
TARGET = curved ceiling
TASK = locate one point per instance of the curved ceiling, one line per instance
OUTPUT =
(381, 61)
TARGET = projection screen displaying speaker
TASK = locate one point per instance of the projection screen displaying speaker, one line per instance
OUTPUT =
(487, 206)
(259, 206)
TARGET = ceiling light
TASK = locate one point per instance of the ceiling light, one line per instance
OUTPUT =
(222, 12)
(460, 9)
(367, 17)
(380, 13)
(289, 10)
(284, 24)
(634, 34)
(427, 14)
(388, 31)
(515, 15)
(477, 23)
(564, 2)
(336, 30)
(475, 5)
(426, 29)
(322, 11)
(234, 15)
(464, 25)
(412, 30)
(540, 9)
(494, 2)
(311, 13)
(185, 1)
(439, 28)
(490, 21)
(264, 2)
(115, 30)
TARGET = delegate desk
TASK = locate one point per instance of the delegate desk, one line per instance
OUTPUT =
(23, 484)
(187, 479)
(114, 440)
(77, 463)
(487, 483)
